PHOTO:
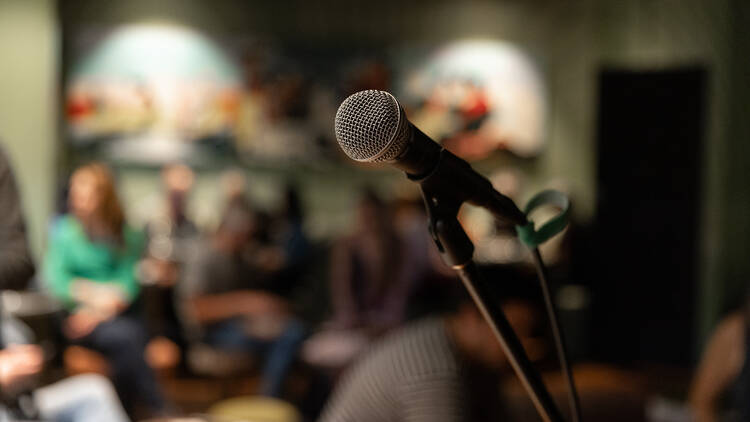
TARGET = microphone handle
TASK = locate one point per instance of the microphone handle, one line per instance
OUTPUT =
(454, 180)
(446, 186)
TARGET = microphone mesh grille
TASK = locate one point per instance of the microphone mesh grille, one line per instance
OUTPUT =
(370, 126)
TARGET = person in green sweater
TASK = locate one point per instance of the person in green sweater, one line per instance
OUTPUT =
(90, 266)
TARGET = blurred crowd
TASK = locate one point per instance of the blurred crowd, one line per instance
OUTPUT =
(253, 295)
(369, 326)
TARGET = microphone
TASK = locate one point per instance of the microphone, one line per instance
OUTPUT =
(371, 126)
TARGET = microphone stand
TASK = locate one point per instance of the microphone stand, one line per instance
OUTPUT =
(457, 250)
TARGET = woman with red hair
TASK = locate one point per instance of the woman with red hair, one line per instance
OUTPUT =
(90, 266)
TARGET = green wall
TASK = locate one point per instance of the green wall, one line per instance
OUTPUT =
(28, 104)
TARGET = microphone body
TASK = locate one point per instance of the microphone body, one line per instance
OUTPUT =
(447, 176)
(371, 126)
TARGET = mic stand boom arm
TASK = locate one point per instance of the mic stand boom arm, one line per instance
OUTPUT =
(457, 250)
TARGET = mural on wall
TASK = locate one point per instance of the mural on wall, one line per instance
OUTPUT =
(476, 97)
(153, 93)
(150, 90)
(156, 93)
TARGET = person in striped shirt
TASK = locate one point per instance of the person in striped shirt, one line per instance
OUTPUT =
(438, 369)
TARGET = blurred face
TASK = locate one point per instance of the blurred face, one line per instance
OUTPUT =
(367, 216)
(84, 199)
(178, 178)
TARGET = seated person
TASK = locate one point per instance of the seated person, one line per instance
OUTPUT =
(366, 265)
(724, 370)
(83, 398)
(234, 305)
(436, 369)
(371, 279)
(90, 267)
(170, 236)
(170, 232)
(282, 253)
(87, 398)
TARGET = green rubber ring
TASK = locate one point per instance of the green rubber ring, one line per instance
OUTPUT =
(532, 237)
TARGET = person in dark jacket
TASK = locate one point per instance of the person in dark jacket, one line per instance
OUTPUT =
(16, 265)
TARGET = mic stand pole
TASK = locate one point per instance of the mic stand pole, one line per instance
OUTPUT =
(457, 250)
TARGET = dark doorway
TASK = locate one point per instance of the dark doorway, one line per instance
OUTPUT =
(650, 143)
